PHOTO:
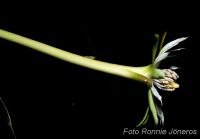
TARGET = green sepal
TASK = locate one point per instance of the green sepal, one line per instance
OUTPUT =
(145, 118)
(155, 46)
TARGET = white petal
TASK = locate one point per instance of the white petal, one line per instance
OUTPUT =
(174, 68)
(160, 114)
(172, 44)
(179, 49)
(161, 57)
(156, 94)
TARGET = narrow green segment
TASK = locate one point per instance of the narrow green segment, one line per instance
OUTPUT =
(152, 107)
(155, 46)
(162, 40)
(145, 118)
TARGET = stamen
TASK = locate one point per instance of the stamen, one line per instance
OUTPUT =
(162, 87)
(169, 79)
(170, 74)
(167, 83)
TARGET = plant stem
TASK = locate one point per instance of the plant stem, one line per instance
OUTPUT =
(135, 73)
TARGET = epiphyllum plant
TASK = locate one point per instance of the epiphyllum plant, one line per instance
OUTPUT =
(163, 79)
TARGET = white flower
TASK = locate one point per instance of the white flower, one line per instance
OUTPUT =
(166, 82)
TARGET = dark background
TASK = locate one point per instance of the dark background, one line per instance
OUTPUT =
(38, 88)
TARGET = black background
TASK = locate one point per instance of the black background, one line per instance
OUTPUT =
(38, 88)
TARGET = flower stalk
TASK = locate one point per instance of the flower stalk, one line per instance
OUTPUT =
(142, 74)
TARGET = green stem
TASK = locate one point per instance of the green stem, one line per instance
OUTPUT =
(136, 73)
